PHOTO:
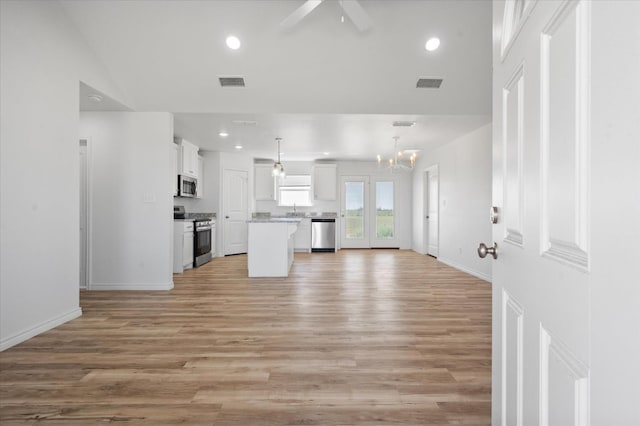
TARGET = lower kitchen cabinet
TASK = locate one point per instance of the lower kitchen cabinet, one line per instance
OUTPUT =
(182, 245)
(302, 237)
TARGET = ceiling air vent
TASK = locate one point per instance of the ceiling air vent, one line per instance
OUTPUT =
(231, 81)
(429, 83)
(245, 122)
(403, 123)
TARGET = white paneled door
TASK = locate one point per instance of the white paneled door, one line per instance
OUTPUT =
(235, 211)
(542, 278)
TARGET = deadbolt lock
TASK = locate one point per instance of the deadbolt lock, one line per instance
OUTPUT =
(493, 215)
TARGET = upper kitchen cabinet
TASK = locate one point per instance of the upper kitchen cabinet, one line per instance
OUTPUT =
(188, 158)
(264, 183)
(325, 182)
(200, 185)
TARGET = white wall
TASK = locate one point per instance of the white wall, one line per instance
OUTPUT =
(615, 214)
(465, 171)
(131, 200)
(42, 60)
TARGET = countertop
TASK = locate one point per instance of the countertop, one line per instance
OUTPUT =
(276, 220)
(190, 217)
(300, 215)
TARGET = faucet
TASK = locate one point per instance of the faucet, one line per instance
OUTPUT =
(294, 207)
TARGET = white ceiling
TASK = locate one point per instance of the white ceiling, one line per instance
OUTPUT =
(322, 86)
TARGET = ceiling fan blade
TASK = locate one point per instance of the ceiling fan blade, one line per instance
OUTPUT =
(300, 13)
(357, 14)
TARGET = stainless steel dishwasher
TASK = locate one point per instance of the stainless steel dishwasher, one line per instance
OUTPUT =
(323, 234)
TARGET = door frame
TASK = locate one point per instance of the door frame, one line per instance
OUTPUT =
(88, 212)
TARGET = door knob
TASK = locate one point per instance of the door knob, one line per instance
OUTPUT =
(483, 250)
(226, 217)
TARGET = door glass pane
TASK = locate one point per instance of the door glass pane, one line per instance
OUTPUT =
(384, 210)
(354, 202)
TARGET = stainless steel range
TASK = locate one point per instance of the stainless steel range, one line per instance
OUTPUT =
(203, 229)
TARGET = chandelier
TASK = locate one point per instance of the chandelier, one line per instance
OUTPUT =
(399, 162)
(278, 170)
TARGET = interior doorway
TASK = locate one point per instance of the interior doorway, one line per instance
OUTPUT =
(83, 277)
(431, 185)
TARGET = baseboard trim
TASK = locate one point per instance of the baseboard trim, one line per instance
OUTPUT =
(39, 329)
(469, 271)
(131, 286)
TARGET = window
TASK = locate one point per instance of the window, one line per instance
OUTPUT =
(384, 210)
(354, 200)
(294, 190)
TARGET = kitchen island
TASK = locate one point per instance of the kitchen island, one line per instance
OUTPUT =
(270, 248)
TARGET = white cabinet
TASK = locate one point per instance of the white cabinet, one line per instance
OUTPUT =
(188, 158)
(174, 156)
(187, 250)
(264, 187)
(325, 182)
(270, 248)
(182, 245)
(302, 237)
(200, 184)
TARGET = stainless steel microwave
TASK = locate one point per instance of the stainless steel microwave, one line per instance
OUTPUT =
(187, 186)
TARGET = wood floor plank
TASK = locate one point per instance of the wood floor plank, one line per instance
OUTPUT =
(358, 337)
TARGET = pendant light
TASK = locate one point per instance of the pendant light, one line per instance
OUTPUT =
(278, 170)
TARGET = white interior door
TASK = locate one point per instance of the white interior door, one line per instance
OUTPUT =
(235, 211)
(84, 205)
(354, 226)
(543, 282)
(432, 218)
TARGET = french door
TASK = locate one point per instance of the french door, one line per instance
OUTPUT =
(368, 212)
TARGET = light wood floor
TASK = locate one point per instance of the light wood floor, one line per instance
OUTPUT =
(359, 337)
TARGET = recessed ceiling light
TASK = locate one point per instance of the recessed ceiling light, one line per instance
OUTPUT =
(432, 44)
(233, 42)
(325, 153)
(223, 134)
(95, 97)
(238, 146)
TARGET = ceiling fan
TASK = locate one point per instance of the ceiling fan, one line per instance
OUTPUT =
(351, 8)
